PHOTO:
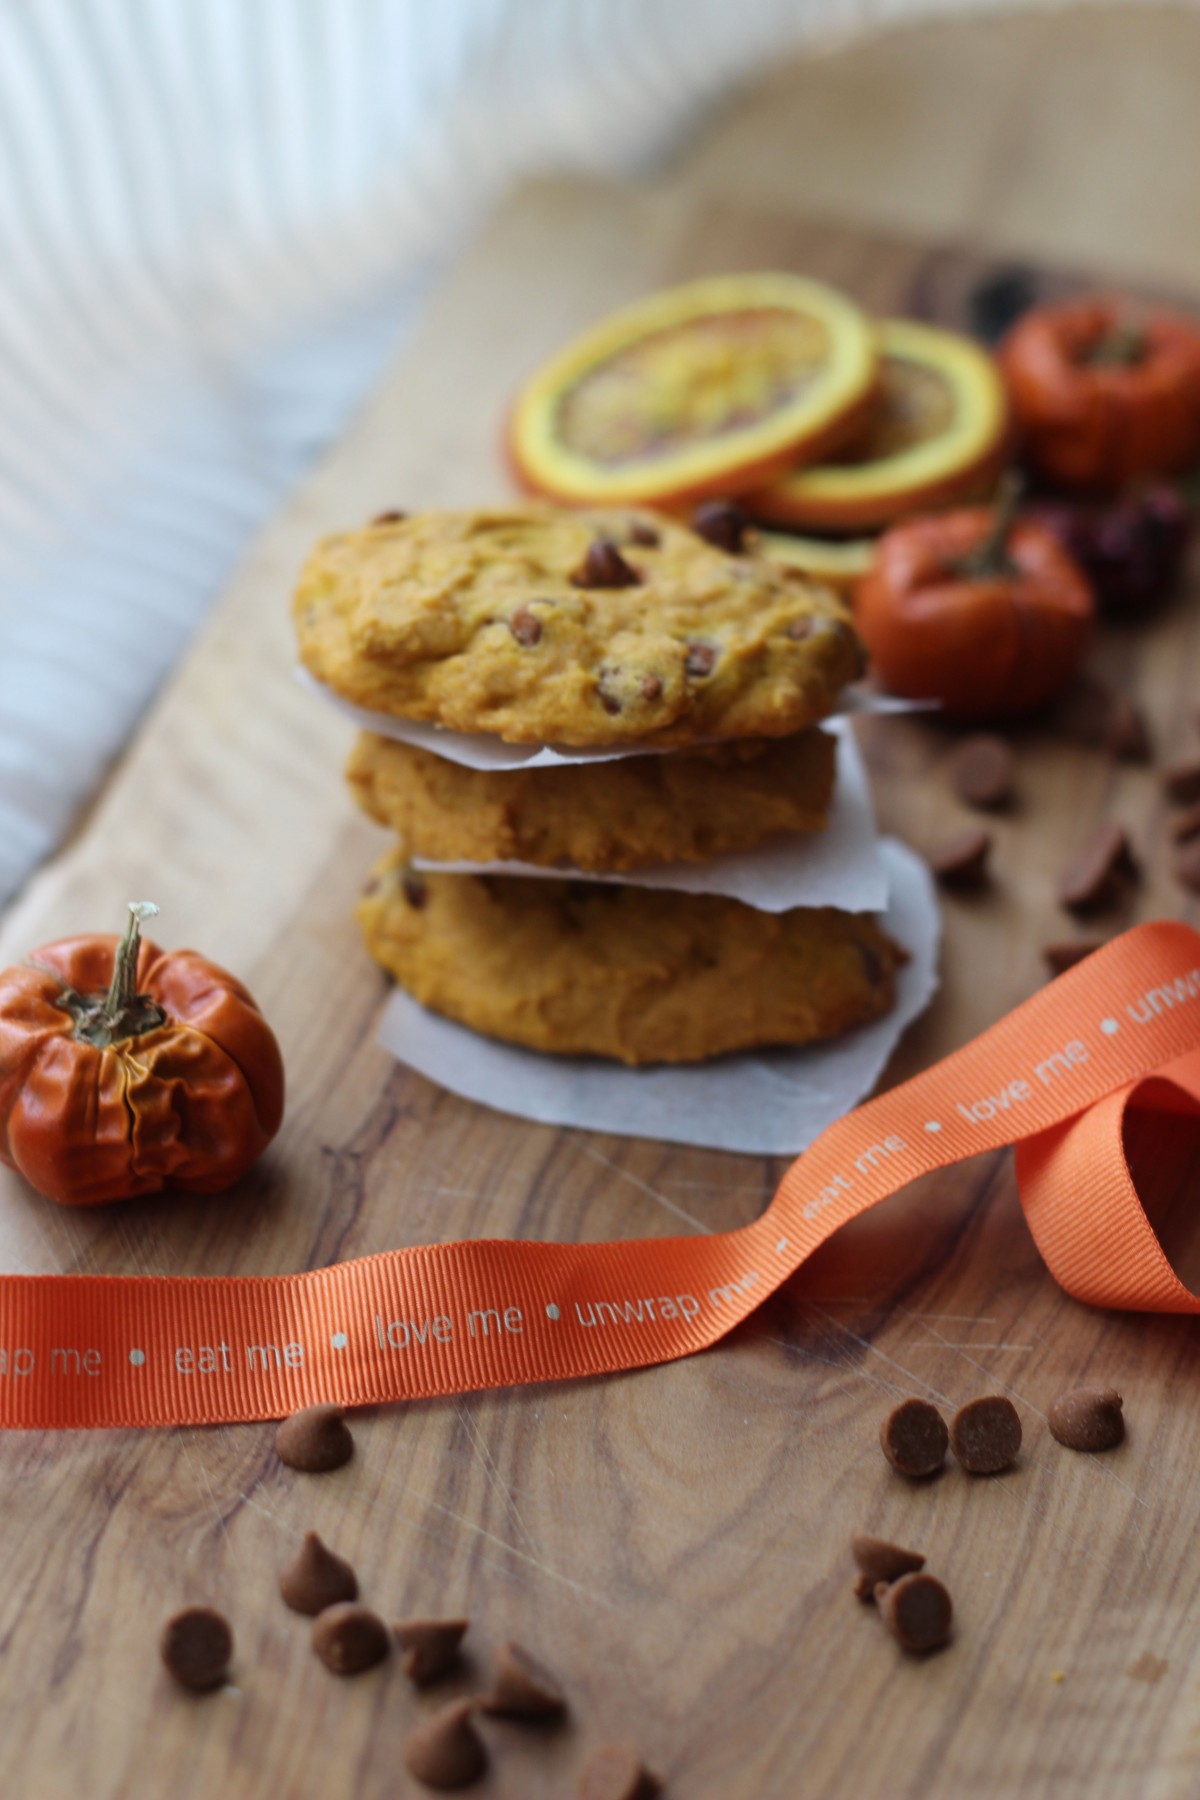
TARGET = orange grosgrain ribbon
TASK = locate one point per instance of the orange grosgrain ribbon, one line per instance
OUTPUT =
(1097, 1072)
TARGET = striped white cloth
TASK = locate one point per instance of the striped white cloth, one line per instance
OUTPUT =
(215, 218)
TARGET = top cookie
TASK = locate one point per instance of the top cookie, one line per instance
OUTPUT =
(546, 626)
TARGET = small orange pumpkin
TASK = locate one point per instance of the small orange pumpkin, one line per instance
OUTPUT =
(987, 615)
(125, 1069)
(1102, 401)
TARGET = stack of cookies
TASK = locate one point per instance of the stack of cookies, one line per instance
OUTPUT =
(681, 677)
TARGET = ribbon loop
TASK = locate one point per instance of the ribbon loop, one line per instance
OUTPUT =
(1081, 1187)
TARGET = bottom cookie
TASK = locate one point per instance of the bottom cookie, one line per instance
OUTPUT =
(639, 975)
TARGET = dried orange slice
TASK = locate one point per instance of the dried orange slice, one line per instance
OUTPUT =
(710, 388)
(840, 563)
(939, 435)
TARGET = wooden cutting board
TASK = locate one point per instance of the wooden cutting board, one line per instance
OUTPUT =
(673, 1542)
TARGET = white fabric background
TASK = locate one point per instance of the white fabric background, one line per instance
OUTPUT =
(215, 218)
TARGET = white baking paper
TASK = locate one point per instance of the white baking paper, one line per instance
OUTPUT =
(838, 866)
(482, 750)
(764, 1103)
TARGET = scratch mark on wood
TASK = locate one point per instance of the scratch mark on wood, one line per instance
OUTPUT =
(491, 1471)
(916, 1380)
(645, 1188)
(543, 1568)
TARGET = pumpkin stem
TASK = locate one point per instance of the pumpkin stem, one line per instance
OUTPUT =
(1122, 347)
(105, 1019)
(990, 559)
(122, 991)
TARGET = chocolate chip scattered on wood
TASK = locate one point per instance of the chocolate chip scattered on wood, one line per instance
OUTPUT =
(1185, 825)
(983, 771)
(1187, 865)
(917, 1610)
(315, 1440)
(1181, 781)
(1091, 714)
(522, 1688)
(1087, 1418)
(1063, 956)
(197, 1647)
(961, 860)
(879, 1561)
(1100, 873)
(429, 1647)
(350, 1638)
(315, 1578)
(722, 524)
(1085, 711)
(603, 566)
(1127, 736)
(914, 1438)
(445, 1751)
(985, 1434)
(617, 1772)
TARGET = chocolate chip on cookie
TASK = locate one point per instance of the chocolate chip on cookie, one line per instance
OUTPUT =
(414, 889)
(525, 626)
(603, 566)
(822, 625)
(701, 660)
(606, 693)
(722, 524)
(645, 535)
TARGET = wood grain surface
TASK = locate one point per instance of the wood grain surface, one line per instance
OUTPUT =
(674, 1542)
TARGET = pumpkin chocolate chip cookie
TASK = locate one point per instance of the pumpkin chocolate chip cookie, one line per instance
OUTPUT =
(602, 817)
(636, 974)
(579, 628)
